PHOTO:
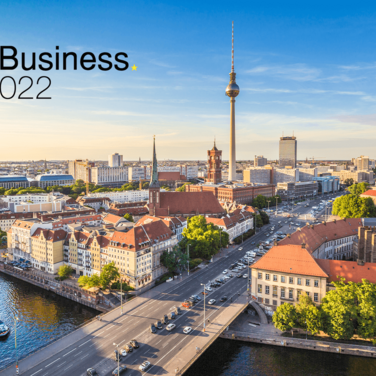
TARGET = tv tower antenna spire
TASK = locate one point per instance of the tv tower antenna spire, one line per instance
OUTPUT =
(232, 50)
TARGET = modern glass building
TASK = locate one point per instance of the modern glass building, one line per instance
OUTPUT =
(328, 184)
(52, 179)
(287, 151)
(14, 181)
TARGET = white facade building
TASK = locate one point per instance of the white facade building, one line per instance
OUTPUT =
(109, 175)
(115, 160)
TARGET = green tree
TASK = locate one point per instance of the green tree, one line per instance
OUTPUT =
(175, 260)
(264, 217)
(128, 217)
(339, 311)
(349, 182)
(259, 222)
(353, 206)
(65, 271)
(182, 188)
(309, 317)
(79, 183)
(83, 280)
(145, 185)
(109, 273)
(2, 191)
(358, 189)
(284, 318)
(166, 188)
(94, 281)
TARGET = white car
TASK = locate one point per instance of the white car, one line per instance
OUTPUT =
(211, 301)
(240, 249)
(245, 275)
(144, 366)
(170, 327)
(225, 271)
(187, 330)
(123, 352)
(226, 278)
(208, 289)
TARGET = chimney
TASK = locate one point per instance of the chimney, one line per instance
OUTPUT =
(334, 220)
(360, 262)
(324, 223)
(275, 242)
(303, 245)
(312, 226)
(289, 235)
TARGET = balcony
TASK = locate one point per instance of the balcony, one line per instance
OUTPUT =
(287, 299)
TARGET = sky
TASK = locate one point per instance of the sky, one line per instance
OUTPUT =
(307, 69)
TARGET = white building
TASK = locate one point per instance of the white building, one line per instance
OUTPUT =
(109, 175)
(124, 196)
(115, 160)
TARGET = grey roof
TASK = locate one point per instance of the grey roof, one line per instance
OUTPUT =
(369, 221)
(13, 178)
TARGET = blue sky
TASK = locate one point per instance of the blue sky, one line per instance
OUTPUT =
(308, 69)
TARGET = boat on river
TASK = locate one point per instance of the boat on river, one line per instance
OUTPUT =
(4, 330)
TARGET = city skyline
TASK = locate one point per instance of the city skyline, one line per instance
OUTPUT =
(300, 80)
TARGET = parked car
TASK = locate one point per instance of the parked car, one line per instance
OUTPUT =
(144, 366)
(91, 372)
(134, 343)
(223, 299)
(153, 329)
(245, 275)
(177, 310)
(225, 271)
(158, 325)
(117, 355)
(122, 368)
(170, 327)
(172, 315)
(123, 352)
(239, 275)
(187, 330)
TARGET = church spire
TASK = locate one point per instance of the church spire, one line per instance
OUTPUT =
(154, 174)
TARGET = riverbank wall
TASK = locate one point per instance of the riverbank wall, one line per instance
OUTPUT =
(332, 347)
(64, 289)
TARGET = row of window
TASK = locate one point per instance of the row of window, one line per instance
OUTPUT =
(283, 292)
(290, 279)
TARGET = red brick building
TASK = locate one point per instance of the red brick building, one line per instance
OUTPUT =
(214, 162)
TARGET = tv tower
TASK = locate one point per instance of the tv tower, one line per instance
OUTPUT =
(232, 91)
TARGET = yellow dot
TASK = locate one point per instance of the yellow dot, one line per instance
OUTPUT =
(134, 67)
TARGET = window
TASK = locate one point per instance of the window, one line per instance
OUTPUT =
(299, 282)
(275, 278)
(291, 280)
(283, 279)
(267, 277)
(274, 302)
(259, 289)
(275, 291)
(316, 283)
(282, 292)
(307, 282)
(267, 290)
(307, 293)
(315, 297)
(299, 292)
(291, 294)
(266, 301)
(259, 275)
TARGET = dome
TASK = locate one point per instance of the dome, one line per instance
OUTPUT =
(232, 90)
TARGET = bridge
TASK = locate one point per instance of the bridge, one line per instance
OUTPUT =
(168, 352)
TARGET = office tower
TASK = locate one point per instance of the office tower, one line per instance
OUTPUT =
(260, 161)
(232, 91)
(287, 151)
(115, 160)
(362, 163)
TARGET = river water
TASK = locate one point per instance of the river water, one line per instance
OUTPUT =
(45, 317)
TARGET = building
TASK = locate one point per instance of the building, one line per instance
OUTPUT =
(14, 181)
(123, 196)
(49, 180)
(284, 273)
(235, 224)
(258, 175)
(329, 240)
(260, 161)
(365, 245)
(109, 176)
(288, 152)
(47, 249)
(232, 91)
(362, 163)
(299, 190)
(234, 193)
(214, 165)
(307, 174)
(7, 219)
(328, 184)
(135, 209)
(136, 173)
(285, 175)
(356, 176)
(80, 169)
(94, 202)
(371, 193)
(115, 160)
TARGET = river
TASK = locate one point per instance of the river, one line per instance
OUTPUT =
(45, 317)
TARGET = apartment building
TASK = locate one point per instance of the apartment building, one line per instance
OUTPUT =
(109, 176)
(357, 176)
(14, 181)
(260, 161)
(115, 160)
(124, 196)
(258, 175)
(7, 219)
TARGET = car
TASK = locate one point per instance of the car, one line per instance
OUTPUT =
(240, 248)
(158, 325)
(187, 330)
(245, 275)
(170, 327)
(197, 297)
(117, 355)
(172, 315)
(123, 352)
(211, 301)
(223, 299)
(164, 320)
(91, 372)
(134, 343)
(253, 243)
(153, 329)
(204, 292)
(225, 271)
(177, 310)
(144, 366)
(231, 275)
(227, 278)
(209, 288)
(122, 368)
(239, 275)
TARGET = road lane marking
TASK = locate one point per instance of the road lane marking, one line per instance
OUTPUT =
(36, 372)
(52, 362)
(78, 353)
(61, 364)
(84, 343)
(68, 367)
(85, 356)
(69, 352)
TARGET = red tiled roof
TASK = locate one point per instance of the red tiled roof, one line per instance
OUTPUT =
(50, 235)
(319, 234)
(292, 259)
(174, 175)
(370, 192)
(350, 270)
(111, 218)
(188, 203)
(230, 220)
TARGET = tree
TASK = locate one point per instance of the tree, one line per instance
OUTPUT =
(264, 217)
(175, 260)
(349, 182)
(65, 271)
(353, 206)
(94, 281)
(358, 189)
(309, 316)
(259, 222)
(128, 217)
(182, 188)
(2, 191)
(108, 274)
(145, 185)
(166, 188)
(284, 318)
(83, 280)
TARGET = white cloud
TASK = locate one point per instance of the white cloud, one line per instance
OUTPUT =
(296, 72)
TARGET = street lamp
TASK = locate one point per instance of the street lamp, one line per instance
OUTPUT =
(121, 295)
(188, 257)
(118, 357)
(15, 342)
(203, 284)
